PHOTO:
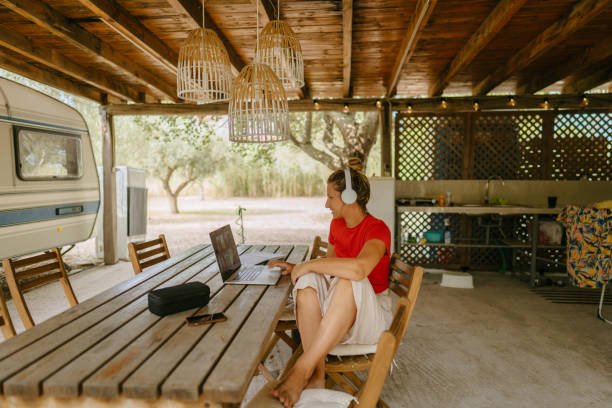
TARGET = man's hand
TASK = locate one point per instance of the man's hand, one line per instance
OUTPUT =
(286, 267)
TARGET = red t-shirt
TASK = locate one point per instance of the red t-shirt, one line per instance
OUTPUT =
(348, 243)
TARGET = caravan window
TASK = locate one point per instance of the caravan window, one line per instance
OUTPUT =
(43, 154)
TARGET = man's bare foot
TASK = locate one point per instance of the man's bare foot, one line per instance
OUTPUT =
(288, 392)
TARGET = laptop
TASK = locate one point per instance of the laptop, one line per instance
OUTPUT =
(230, 267)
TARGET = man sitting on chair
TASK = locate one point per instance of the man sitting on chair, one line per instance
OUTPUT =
(355, 308)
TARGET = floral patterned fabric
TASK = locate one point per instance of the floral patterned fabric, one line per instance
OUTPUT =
(589, 245)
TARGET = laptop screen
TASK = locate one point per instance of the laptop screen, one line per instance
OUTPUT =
(225, 250)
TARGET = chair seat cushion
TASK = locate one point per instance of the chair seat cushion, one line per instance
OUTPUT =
(353, 349)
(323, 398)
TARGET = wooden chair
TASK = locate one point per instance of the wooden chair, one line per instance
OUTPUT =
(8, 330)
(340, 367)
(319, 248)
(35, 271)
(143, 259)
(368, 394)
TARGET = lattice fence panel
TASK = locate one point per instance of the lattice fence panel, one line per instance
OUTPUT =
(430, 147)
(414, 224)
(507, 145)
(582, 146)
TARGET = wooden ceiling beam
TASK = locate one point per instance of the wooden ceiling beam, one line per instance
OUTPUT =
(134, 31)
(489, 28)
(581, 14)
(593, 55)
(47, 77)
(583, 83)
(347, 45)
(44, 16)
(51, 58)
(193, 9)
(416, 105)
(421, 15)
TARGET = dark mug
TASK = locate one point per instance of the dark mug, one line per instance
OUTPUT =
(552, 202)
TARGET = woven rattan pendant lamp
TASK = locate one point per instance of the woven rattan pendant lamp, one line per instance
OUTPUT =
(204, 71)
(258, 109)
(280, 49)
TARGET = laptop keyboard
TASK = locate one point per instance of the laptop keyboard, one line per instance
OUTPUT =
(249, 273)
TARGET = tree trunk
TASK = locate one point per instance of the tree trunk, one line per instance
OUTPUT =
(173, 200)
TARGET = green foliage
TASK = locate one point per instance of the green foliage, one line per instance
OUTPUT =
(179, 146)
(269, 170)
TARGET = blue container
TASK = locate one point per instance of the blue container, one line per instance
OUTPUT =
(433, 235)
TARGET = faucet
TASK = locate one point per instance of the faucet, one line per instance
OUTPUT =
(486, 197)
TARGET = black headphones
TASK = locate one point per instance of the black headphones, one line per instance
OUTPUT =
(348, 196)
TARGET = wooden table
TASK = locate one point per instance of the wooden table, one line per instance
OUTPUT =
(110, 350)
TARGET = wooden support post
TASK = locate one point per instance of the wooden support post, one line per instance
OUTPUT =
(385, 140)
(548, 119)
(110, 192)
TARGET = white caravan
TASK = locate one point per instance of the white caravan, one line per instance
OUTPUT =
(49, 190)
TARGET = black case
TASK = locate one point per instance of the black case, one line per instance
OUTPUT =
(175, 299)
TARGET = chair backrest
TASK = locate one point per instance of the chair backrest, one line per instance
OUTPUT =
(369, 394)
(8, 330)
(319, 248)
(405, 280)
(148, 253)
(28, 273)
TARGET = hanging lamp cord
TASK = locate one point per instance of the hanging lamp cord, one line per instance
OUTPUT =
(203, 14)
(257, 45)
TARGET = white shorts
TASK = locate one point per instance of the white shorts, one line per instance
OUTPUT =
(374, 311)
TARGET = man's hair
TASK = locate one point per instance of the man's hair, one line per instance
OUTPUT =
(359, 181)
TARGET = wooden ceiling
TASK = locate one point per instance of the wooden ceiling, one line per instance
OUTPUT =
(127, 50)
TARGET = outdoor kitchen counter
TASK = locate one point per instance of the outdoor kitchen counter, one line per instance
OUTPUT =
(480, 209)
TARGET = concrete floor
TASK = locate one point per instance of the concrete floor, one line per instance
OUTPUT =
(497, 345)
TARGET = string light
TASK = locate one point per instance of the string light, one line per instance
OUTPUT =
(476, 105)
(585, 101)
(346, 108)
(379, 104)
(409, 107)
(512, 101)
(546, 104)
(444, 104)
(316, 105)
